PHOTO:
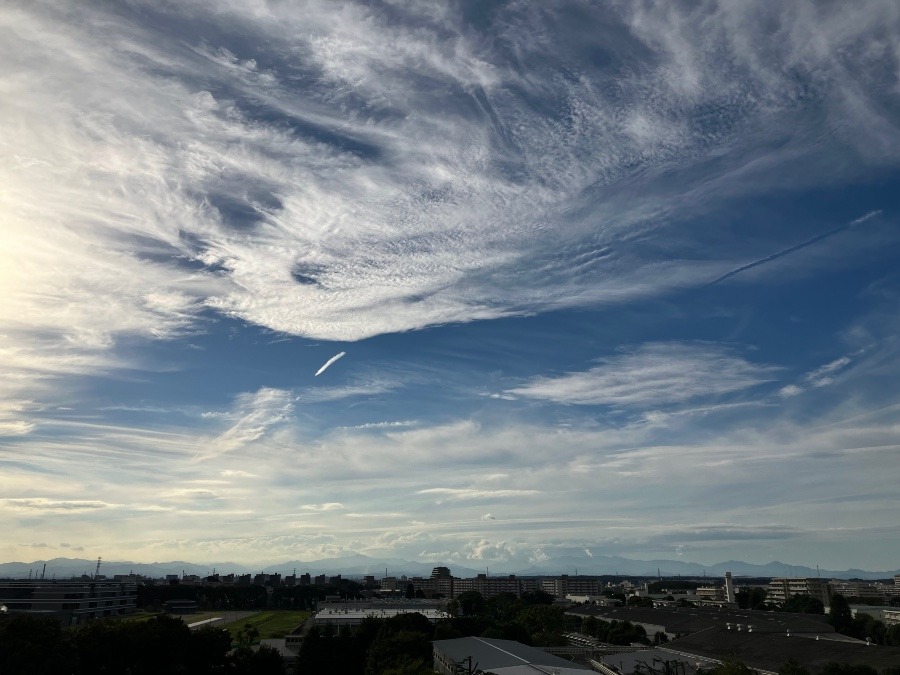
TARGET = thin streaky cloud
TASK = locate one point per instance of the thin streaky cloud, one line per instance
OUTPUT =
(796, 247)
(328, 363)
(652, 374)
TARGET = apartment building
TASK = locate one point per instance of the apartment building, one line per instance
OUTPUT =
(782, 588)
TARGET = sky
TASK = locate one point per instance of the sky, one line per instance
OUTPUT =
(608, 278)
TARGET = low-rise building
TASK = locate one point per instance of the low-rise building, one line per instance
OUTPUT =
(352, 614)
(72, 602)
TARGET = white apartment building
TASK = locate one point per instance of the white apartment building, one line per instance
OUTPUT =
(782, 588)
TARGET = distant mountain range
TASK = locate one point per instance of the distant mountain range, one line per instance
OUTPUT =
(357, 565)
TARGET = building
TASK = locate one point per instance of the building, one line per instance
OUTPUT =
(352, 614)
(890, 616)
(781, 589)
(501, 657)
(72, 602)
(560, 587)
(767, 652)
(488, 586)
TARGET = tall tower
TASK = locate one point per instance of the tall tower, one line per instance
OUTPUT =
(729, 588)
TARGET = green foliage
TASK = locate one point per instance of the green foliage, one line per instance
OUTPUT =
(471, 603)
(804, 604)
(504, 608)
(397, 649)
(268, 624)
(542, 619)
(161, 644)
(835, 668)
(791, 667)
(892, 636)
(751, 598)
(840, 615)
(638, 601)
(247, 635)
(263, 661)
(34, 645)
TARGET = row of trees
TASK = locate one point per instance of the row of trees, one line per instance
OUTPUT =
(162, 644)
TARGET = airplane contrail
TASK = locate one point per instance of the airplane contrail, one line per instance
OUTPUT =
(795, 247)
(328, 363)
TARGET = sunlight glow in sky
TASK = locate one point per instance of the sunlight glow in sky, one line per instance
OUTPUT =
(618, 277)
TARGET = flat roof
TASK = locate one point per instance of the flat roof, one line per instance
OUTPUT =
(769, 651)
(505, 657)
(693, 619)
(354, 614)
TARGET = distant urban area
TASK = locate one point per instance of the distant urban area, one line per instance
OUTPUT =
(396, 625)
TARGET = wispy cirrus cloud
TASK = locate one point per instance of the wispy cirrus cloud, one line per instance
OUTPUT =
(459, 494)
(327, 506)
(652, 374)
(195, 142)
(819, 377)
(256, 414)
(48, 505)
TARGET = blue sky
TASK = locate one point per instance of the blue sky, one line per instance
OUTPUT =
(611, 278)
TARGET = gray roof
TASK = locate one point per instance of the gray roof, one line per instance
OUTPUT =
(769, 651)
(495, 655)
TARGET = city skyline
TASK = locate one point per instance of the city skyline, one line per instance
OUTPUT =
(483, 284)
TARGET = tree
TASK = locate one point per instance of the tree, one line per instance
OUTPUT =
(248, 635)
(835, 668)
(791, 667)
(34, 645)
(208, 650)
(263, 661)
(892, 635)
(751, 598)
(471, 603)
(541, 619)
(802, 603)
(840, 615)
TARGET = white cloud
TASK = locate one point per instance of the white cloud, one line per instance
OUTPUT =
(790, 390)
(652, 374)
(256, 414)
(455, 494)
(328, 506)
(130, 172)
(822, 376)
(47, 505)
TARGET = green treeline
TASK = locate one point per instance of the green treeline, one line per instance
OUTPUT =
(161, 644)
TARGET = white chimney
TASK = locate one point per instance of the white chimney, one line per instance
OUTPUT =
(729, 588)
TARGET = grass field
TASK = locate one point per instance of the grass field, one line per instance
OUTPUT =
(269, 623)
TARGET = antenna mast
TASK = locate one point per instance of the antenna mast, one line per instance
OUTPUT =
(97, 570)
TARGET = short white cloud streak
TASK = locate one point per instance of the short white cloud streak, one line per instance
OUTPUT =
(329, 362)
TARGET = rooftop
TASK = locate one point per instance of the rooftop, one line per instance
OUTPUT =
(506, 657)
